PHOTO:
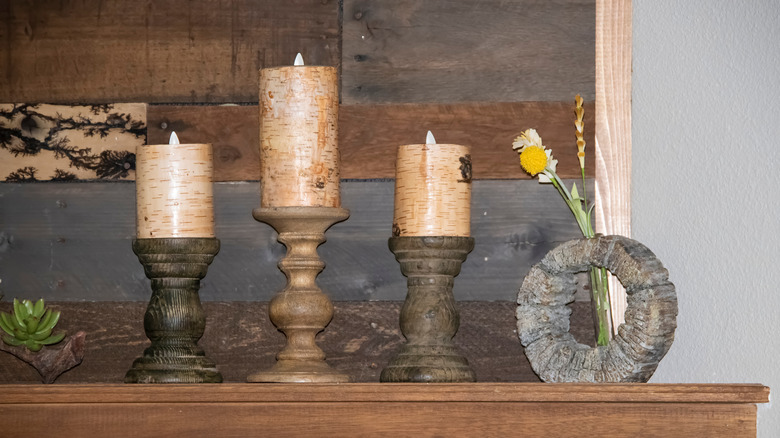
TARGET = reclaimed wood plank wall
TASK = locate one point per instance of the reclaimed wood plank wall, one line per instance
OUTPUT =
(110, 75)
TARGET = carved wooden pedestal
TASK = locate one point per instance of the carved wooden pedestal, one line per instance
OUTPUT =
(301, 310)
(429, 317)
(174, 320)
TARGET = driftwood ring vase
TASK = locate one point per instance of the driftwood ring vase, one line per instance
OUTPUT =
(641, 342)
(301, 309)
(174, 320)
(429, 317)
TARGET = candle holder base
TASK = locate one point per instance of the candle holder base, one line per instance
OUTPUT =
(294, 371)
(174, 320)
(429, 317)
(301, 309)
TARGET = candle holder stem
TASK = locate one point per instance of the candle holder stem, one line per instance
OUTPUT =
(174, 320)
(429, 316)
(301, 309)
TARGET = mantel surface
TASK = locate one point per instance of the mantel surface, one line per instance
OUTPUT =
(373, 409)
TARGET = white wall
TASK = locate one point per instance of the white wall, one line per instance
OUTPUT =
(706, 183)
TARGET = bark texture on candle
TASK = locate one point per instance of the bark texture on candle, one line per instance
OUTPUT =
(432, 190)
(174, 191)
(299, 158)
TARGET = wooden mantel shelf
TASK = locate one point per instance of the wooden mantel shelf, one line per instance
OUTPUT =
(373, 409)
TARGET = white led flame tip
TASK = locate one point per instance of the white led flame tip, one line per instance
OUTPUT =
(429, 138)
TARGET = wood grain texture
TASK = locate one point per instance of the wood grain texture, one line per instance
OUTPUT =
(613, 129)
(72, 242)
(163, 51)
(456, 51)
(370, 134)
(239, 337)
(238, 410)
(232, 130)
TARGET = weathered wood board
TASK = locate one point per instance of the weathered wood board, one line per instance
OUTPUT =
(210, 51)
(361, 339)
(70, 142)
(466, 51)
(370, 134)
(72, 242)
(161, 51)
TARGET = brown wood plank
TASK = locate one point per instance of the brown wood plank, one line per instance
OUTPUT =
(381, 410)
(419, 419)
(453, 51)
(72, 242)
(370, 134)
(360, 341)
(680, 393)
(161, 51)
(234, 132)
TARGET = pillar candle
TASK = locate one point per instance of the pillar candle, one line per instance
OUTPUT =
(432, 190)
(174, 190)
(299, 157)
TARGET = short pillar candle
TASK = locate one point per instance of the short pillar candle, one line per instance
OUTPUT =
(299, 158)
(432, 190)
(174, 192)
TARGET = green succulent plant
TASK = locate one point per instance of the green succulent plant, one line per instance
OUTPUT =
(30, 325)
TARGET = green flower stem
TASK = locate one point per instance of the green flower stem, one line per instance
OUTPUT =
(598, 276)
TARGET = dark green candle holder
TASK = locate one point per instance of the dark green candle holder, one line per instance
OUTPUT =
(174, 320)
(429, 316)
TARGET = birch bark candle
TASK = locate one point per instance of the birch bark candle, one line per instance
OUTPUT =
(432, 190)
(174, 194)
(299, 157)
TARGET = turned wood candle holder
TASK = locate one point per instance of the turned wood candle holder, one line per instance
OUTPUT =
(429, 316)
(301, 309)
(174, 320)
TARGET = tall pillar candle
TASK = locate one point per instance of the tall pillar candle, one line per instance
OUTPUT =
(432, 190)
(299, 157)
(174, 193)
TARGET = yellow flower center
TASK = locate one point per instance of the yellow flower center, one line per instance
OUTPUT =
(533, 159)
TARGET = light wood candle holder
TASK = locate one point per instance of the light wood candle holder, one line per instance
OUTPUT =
(301, 309)
(174, 320)
(429, 316)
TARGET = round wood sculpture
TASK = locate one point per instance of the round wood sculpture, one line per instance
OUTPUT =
(429, 317)
(641, 342)
(301, 310)
(174, 320)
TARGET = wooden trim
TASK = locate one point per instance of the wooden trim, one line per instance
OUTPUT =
(387, 392)
(613, 128)
(375, 409)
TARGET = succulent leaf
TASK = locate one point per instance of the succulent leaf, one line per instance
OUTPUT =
(53, 339)
(10, 340)
(6, 323)
(29, 307)
(38, 308)
(39, 336)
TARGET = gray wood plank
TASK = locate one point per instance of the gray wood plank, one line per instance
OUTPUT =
(453, 50)
(71, 242)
